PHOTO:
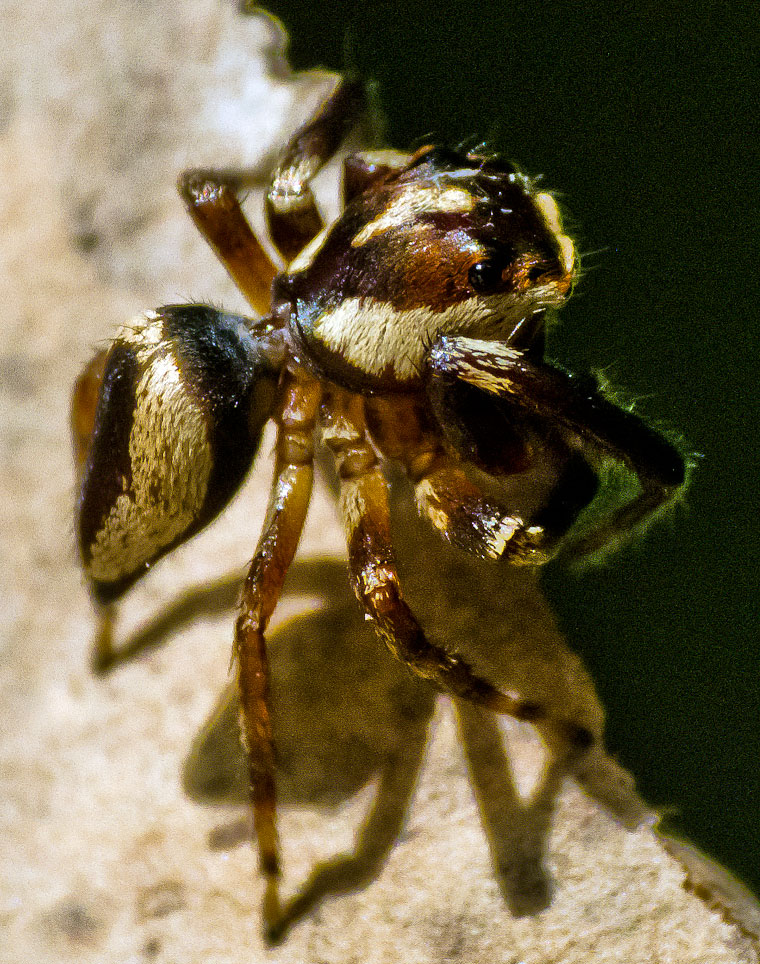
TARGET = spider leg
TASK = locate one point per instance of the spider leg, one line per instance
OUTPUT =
(84, 407)
(364, 508)
(291, 208)
(288, 504)
(212, 200)
(584, 416)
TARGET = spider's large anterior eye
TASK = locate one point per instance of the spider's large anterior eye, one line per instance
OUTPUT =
(485, 276)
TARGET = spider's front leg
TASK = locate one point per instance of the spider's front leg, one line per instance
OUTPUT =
(588, 425)
(288, 504)
(366, 518)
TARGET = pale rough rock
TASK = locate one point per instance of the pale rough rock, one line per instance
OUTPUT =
(104, 858)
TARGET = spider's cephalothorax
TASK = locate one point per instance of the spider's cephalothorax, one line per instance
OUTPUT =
(447, 244)
(411, 331)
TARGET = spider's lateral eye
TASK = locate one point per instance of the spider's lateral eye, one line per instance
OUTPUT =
(485, 276)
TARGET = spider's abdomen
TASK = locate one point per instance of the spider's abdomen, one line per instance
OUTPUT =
(183, 400)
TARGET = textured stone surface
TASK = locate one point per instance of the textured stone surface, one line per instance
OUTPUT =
(108, 851)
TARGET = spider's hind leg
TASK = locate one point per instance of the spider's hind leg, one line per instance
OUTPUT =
(288, 504)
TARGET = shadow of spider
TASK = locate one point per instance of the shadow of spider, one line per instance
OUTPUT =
(347, 713)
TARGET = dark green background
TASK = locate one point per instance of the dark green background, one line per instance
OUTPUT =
(644, 118)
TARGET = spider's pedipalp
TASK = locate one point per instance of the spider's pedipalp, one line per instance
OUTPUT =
(581, 415)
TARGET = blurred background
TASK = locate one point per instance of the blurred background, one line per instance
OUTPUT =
(643, 118)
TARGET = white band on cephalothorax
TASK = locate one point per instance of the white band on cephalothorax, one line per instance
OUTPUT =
(375, 337)
(416, 200)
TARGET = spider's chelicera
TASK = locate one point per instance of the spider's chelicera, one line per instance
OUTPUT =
(411, 330)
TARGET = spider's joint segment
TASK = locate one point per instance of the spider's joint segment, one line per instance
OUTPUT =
(295, 448)
(290, 186)
(358, 494)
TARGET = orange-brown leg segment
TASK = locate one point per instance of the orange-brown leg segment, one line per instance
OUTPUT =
(211, 198)
(364, 508)
(291, 209)
(289, 501)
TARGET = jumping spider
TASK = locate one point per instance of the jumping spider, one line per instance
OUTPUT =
(409, 331)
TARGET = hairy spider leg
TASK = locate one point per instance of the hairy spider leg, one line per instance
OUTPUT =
(498, 437)
(482, 527)
(454, 504)
(583, 412)
(288, 504)
(364, 509)
(291, 209)
(400, 428)
(211, 198)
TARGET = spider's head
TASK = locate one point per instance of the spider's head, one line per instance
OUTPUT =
(447, 244)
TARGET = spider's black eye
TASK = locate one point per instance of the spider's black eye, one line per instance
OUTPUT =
(485, 276)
